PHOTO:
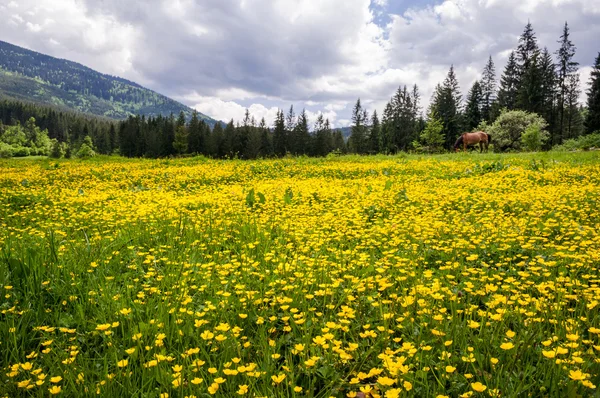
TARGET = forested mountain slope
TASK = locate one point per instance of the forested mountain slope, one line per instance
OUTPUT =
(31, 76)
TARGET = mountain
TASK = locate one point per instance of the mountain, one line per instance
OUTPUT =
(30, 76)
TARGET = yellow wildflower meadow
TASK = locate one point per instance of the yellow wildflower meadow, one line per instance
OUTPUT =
(457, 275)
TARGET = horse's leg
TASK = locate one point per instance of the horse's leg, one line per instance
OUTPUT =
(480, 147)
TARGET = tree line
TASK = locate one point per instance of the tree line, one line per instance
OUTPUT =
(533, 82)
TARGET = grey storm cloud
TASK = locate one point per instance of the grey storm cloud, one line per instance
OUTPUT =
(223, 55)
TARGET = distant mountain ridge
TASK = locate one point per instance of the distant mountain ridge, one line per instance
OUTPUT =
(31, 76)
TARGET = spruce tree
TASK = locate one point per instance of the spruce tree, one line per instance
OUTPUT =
(279, 135)
(592, 123)
(549, 94)
(527, 48)
(447, 106)
(509, 84)
(529, 93)
(375, 138)
(358, 138)
(195, 138)
(300, 135)
(567, 67)
(488, 88)
(473, 110)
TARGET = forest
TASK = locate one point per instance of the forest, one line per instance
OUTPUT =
(532, 106)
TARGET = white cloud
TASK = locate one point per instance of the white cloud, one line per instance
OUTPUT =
(322, 54)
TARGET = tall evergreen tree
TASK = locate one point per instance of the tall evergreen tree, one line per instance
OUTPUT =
(300, 135)
(548, 97)
(279, 135)
(323, 143)
(567, 67)
(529, 94)
(509, 84)
(375, 137)
(527, 48)
(447, 106)
(488, 88)
(358, 138)
(474, 108)
(592, 123)
(573, 123)
(229, 140)
(195, 136)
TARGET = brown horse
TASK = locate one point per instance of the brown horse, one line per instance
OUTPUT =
(479, 137)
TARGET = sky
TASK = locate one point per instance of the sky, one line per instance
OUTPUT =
(223, 56)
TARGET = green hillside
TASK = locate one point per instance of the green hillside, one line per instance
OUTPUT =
(31, 76)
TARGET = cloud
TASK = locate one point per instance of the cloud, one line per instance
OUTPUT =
(222, 56)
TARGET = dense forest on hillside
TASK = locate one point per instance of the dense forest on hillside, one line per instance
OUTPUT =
(28, 75)
(533, 106)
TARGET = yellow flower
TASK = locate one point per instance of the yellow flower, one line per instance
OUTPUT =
(297, 389)
(507, 346)
(278, 379)
(122, 363)
(510, 334)
(450, 369)
(213, 388)
(196, 380)
(393, 393)
(243, 389)
(125, 311)
(478, 387)
(55, 390)
(549, 354)
(407, 385)
(386, 381)
(55, 379)
(577, 375)
(474, 325)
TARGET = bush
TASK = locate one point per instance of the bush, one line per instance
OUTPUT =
(21, 151)
(534, 138)
(58, 149)
(6, 151)
(85, 151)
(508, 129)
(583, 143)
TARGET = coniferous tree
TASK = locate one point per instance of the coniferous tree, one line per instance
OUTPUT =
(592, 123)
(195, 135)
(474, 107)
(300, 135)
(573, 123)
(447, 106)
(548, 95)
(358, 138)
(375, 138)
(567, 67)
(509, 84)
(266, 139)
(280, 140)
(339, 144)
(180, 144)
(529, 94)
(228, 140)
(488, 89)
(387, 129)
(217, 142)
(323, 141)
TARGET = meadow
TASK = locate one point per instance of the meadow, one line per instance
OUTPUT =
(435, 276)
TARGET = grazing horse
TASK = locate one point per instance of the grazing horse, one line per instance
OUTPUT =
(479, 137)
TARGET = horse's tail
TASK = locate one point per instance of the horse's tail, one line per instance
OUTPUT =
(489, 138)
